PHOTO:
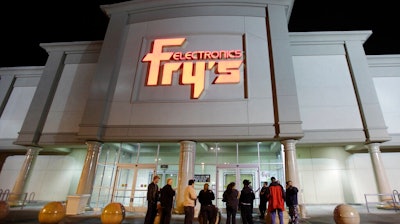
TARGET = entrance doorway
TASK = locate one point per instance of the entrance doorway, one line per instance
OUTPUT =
(125, 169)
(130, 185)
(236, 173)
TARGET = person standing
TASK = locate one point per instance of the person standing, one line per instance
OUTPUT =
(166, 199)
(276, 200)
(291, 202)
(152, 199)
(207, 210)
(246, 200)
(264, 193)
(231, 198)
(189, 200)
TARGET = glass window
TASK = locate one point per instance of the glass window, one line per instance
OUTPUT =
(248, 152)
(226, 153)
(169, 153)
(148, 153)
(216, 163)
(128, 153)
(109, 153)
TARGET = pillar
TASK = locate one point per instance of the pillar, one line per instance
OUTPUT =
(286, 106)
(186, 171)
(23, 176)
(292, 172)
(379, 171)
(103, 83)
(36, 116)
(86, 181)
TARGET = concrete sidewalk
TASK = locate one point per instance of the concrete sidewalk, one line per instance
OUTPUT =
(316, 214)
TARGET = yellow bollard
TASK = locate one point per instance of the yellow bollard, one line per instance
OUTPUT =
(346, 214)
(113, 213)
(4, 209)
(52, 213)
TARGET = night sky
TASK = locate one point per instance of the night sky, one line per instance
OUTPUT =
(25, 24)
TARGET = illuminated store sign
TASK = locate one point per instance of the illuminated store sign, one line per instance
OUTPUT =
(192, 65)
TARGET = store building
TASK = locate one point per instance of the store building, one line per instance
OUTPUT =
(216, 90)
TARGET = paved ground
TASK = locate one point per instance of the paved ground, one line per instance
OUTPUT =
(316, 214)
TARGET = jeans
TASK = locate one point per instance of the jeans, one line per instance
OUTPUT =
(280, 214)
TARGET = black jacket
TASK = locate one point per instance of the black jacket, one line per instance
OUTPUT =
(206, 197)
(247, 196)
(264, 194)
(167, 196)
(152, 193)
(291, 196)
(231, 198)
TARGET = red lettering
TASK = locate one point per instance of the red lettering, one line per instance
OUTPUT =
(193, 73)
(176, 56)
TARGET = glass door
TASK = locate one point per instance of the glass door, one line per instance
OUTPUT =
(236, 173)
(130, 185)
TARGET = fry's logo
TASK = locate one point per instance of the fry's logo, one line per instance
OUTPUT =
(192, 64)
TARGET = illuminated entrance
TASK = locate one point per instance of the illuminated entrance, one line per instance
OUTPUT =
(236, 173)
(128, 189)
(125, 169)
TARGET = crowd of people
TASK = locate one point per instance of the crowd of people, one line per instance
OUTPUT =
(272, 202)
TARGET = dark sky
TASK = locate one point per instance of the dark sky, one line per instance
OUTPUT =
(25, 24)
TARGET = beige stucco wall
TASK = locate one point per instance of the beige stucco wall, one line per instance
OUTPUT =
(52, 178)
(331, 175)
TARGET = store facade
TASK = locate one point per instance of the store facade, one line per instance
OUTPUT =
(218, 91)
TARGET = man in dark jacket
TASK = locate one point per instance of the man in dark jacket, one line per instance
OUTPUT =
(246, 200)
(152, 198)
(291, 202)
(166, 199)
(207, 209)
(264, 194)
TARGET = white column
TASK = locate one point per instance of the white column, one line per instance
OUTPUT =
(292, 171)
(186, 171)
(85, 184)
(23, 176)
(286, 105)
(379, 171)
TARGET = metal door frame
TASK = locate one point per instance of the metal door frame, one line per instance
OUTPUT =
(237, 168)
(135, 168)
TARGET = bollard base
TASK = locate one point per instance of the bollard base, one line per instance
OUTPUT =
(4, 209)
(346, 214)
(113, 213)
(52, 213)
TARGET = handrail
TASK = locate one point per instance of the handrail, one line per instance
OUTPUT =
(20, 199)
(391, 195)
(395, 192)
(24, 200)
(31, 197)
(4, 195)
